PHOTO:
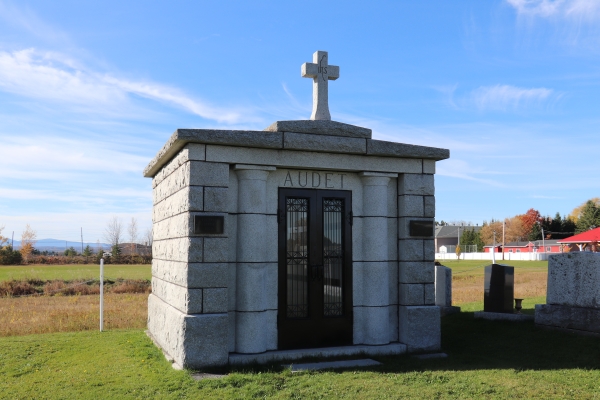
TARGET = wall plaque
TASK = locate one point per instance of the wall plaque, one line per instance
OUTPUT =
(209, 224)
(421, 228)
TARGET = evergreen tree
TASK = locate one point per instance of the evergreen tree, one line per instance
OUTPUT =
(87, 251)
(589, 217)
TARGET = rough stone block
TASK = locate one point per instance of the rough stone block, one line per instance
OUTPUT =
(429, 206)
(429, 250)
(181, 249)
(209, 174)
(192, 341)
(410, 250)
(429, 294)
(443, 286)
(176, 181)
(420, 328)
(190, 198)
(416, 272)
(568, 317)
(322, 143)
(180, 158)
(393, 149)
(416, 184)
(312, 160)
(176, 226)
(320, 127)
(411, 206)
(188, 301)
(215, 199)
(191, 275)
(412, 294)
(214, 301)
(574, 280)
(216, 249)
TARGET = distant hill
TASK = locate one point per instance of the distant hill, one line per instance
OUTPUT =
(61, 245)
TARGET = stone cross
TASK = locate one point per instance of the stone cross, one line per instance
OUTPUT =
(321, 72)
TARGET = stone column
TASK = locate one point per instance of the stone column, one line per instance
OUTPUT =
(375, 262)
(254, 288)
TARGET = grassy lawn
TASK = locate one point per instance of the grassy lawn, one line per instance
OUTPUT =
(74, 271)
(486, 360)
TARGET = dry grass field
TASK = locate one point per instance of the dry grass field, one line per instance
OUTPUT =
(47, 314)
(469, 288)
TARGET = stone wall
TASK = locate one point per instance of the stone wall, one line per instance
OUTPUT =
(189, 273)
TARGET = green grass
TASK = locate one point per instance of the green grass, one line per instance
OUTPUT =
(486, 360)
(476, 267)
(74, 272)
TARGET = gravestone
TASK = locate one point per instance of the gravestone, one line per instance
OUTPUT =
(573, 293)
(499, 287)
(307, 238)
(443, 290)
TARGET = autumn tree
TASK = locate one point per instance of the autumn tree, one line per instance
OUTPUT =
(589, 217)
(487, 232)
(113, 234)
(530, 220)
(28, 239)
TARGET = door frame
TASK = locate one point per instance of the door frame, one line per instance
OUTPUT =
(316, 330)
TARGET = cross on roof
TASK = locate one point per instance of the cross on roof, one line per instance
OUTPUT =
(321, 72)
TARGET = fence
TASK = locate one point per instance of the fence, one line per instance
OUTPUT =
(488, 256)
(464, 248)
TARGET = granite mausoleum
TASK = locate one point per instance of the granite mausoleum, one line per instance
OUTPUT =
(306, 238)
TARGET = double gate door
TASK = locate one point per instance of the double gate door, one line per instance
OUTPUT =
(315, 268)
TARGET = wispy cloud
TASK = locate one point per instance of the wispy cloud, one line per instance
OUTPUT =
(55, 77)
(583, 10)
(28, 21)
(507, 97)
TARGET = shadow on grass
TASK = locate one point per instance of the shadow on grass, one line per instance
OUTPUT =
(478, 344)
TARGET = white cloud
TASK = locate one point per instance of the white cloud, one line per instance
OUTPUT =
(55, 77)
(507, 97)
(569, 9)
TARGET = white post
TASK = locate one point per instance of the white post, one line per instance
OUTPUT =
(101, 294)
(494, 250)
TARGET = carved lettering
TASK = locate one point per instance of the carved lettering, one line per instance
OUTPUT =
(327, 179)
(305, 179)
(288, 178)
(313, 179)
(342, 175)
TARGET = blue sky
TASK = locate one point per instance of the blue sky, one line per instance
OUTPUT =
(89, 92)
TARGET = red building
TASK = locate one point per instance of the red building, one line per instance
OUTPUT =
(584, 241)
(537, 246)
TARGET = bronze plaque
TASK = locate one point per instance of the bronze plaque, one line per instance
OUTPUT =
(421, 228)
(209, 224)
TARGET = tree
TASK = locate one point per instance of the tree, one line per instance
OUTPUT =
(589, 217)
(87, 251)
(472, 238)
(458, 252)
(133, 234)
(114, 231)
(115, 250)
(70, 252)
(515, 230)
(576, 213)
(530, 220)
(28, 239)
(487, 232)
(2, 238)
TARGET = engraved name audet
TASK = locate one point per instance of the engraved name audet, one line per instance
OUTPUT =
(313, 179)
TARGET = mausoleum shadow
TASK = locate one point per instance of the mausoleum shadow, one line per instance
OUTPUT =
(477, 344)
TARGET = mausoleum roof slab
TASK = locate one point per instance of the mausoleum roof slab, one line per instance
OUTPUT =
(340, 139)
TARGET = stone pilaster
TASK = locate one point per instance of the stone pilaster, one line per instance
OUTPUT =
(256, 280)
(373, 316)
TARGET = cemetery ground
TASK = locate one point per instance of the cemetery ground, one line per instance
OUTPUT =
(486, 359)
